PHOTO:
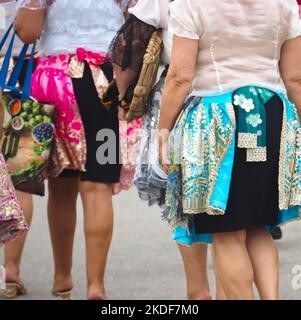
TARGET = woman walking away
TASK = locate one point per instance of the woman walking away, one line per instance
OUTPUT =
(71, 74)
(128, 50)
(234, 152)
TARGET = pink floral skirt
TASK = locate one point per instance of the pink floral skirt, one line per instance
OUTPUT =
(52, 83)
(12, 222)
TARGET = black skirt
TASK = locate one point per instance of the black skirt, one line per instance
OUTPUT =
(254, 197)
(95, 118)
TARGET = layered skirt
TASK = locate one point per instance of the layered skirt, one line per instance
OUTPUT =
(213, 186)
(150, 179)
(75, 84)
(12, 222)
(52, 83)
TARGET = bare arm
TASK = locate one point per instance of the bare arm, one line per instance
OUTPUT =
(179, 80)
(29, 24)
(177, 86)
(290, 68)
(124, 78)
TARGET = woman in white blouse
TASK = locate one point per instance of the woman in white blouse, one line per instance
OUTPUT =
(147, 16)
(72, 75)
(234, 152)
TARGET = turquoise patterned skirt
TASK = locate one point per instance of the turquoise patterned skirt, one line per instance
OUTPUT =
(202, 150)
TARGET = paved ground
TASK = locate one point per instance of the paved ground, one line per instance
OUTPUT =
(144, 262)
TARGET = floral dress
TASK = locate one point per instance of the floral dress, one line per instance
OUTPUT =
(12, 222)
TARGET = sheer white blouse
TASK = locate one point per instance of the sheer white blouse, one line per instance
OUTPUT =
(239, 41)
(70, 24)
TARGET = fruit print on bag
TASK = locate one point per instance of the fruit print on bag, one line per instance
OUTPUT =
(28, 132)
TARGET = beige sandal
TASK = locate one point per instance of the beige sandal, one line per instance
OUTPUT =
(63, 295)
(13, 290)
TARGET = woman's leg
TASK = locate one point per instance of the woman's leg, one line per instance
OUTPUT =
(220, 292)
(264, 256)
(195, 265)
(63, 193)
(13, 251)
(98, 225)
(234, 265)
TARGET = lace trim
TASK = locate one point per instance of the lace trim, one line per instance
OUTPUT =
(257, 154)
(283, 203)
(129, 46)
(35, 4)
(247, 140)
(195, 203)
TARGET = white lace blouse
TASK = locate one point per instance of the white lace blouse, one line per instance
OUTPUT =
(156, 13)
(70, 24)
(239, 41)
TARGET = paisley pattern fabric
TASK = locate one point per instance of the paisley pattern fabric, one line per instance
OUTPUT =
(12, 222)
(202, 148)
(290, 160)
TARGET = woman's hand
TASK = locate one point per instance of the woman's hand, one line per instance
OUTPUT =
(163, 151)
(121, 114)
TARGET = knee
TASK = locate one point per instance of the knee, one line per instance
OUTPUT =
(240, 276)
(87, 187)
(103, 230)
(231, 258)
(228, 246)
(227, 239)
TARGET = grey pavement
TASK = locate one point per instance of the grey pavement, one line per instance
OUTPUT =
(144, 262)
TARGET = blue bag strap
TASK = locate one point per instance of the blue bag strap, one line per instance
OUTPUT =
(6, 61)
(5, 36)
(11, 85)
(28, 75)
(18, 67)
